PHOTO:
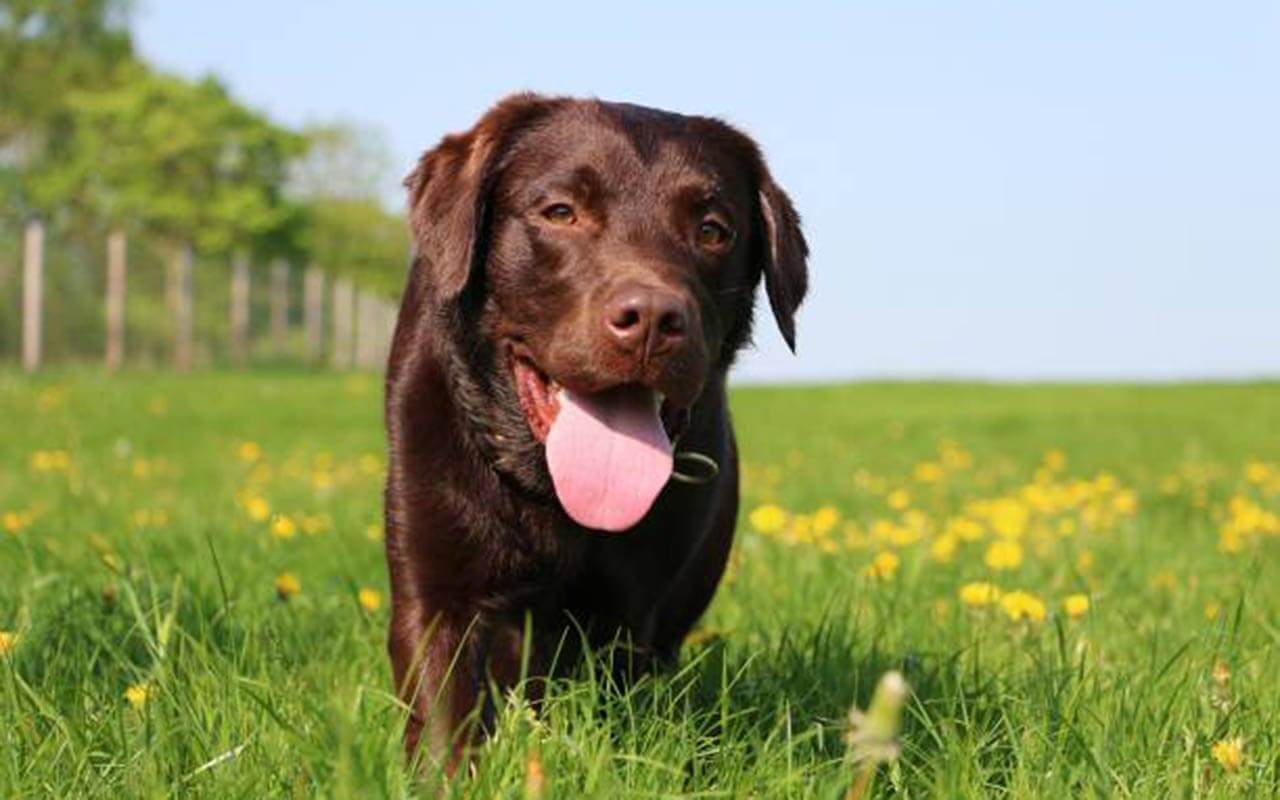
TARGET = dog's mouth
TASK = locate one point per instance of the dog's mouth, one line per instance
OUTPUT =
(609, 450)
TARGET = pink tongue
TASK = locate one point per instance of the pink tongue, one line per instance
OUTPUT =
(609, 456)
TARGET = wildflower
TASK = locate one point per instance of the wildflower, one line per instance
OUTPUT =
(138, 694)
(768, 518)
(979, 594)
(928, 472)
(1221, 673)
(1066, 526)
(1164, 580)
(248, 452)
(1003, 555)
(8, 643)
(1084, 561)
(899, 499)
(873, 734)
(1229, 753)
(283, 527)
(14, 521)
(1009, 518)
(370, 599)
(287, 585)
(1125, 502)
(825, 520)
(50, 461)
(1076, 605)
(257, 508)
(1023, 606)
(1055, 460)
(884, 565)
(1212, 610)
(943, 548)
(373, 532)
(965, 529)
(1257, 472)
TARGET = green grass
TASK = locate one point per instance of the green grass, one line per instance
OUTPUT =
(136, 562)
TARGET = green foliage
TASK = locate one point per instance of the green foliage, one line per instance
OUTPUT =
(140, 564)
(181, 160)
(91, 138)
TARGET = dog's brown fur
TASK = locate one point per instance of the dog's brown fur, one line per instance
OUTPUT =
(477, 545)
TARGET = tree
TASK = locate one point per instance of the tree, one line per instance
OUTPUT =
(48, 49)
(180, 160)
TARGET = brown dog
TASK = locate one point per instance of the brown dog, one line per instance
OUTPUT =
(583, 275)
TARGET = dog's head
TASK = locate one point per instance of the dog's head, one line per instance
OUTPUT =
(601, 260)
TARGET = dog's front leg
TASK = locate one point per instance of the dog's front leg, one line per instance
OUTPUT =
(437, 660)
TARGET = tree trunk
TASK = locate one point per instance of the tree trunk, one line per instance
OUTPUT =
(342, 327)
(279, 304)
(313, 301)
(180, 306)
(116, 267)
(240, 309)
(32, 294)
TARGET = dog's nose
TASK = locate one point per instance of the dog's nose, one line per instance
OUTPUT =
(648, 320)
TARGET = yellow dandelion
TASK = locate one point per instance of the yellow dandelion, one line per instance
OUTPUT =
(899, 499)
(257, 508)
(768, 518)
(1084, 561)
(1055, 460)
(965, 529)
(1076, 605)
(1229, 753)
(1164, 580)
(943, 548)
(1212, 610)
(1257, 472)
(1066, 526)
(15, 521)
(1125, 502)
(373, 532)
(8, 643)
(1003, 555)
(927, 472)
(283, 527)
(370, 599)
(825, 520)
(979, 594)
(1023, 606)
(287, 585)
(138, 694)
(883, 566)
(248, 452)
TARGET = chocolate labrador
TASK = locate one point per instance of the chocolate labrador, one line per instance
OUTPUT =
(583, 274)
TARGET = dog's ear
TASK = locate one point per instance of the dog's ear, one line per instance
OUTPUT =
(779, 249)
(449, 194)
(785, 254)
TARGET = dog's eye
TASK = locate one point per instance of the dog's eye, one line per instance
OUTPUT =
(559, 214)
(713, 235)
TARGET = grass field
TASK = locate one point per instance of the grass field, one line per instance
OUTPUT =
(1081, 585)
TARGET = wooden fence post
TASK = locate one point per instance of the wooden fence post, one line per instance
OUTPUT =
(279, 303)
(180, 305)
(240, 309)
(116, 266)
(313, 302)
(32, 294)
(341, 324)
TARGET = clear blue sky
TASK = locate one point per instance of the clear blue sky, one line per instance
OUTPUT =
(995, 190)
